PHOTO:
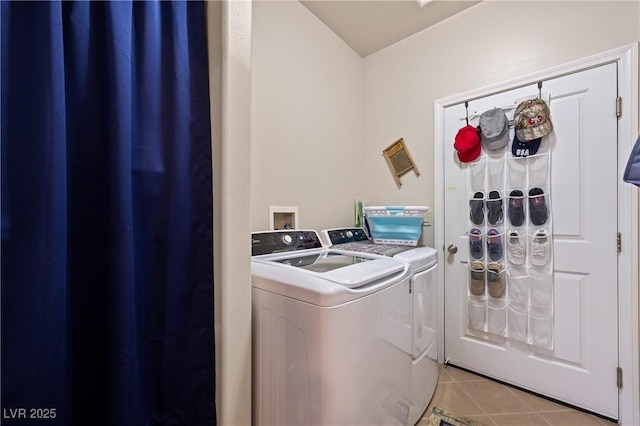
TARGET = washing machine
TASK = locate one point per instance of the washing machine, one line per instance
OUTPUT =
(421, 317)
(327, 334)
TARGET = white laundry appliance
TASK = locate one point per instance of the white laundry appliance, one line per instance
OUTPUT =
(327, 326)
(421, 315)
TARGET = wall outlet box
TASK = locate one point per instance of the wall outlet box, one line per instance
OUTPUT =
(283, 217)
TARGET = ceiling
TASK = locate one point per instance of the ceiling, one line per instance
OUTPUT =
(368, 26)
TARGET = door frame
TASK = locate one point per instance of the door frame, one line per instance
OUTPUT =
(626, 58)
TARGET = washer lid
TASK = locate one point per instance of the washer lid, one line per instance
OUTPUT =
(342, 283)
(347, 269)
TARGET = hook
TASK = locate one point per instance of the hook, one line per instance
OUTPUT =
(540, 89)
(466, 106)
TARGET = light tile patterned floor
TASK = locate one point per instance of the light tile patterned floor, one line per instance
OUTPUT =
(494, 404)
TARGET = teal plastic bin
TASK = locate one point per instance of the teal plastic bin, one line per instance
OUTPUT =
(400, 225)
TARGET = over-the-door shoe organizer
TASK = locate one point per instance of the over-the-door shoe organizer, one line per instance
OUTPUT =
(510, 289)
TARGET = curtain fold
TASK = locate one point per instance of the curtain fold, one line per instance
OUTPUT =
(107, 274)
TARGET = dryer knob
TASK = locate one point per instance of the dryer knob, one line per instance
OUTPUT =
(286, 238)
(349, 234)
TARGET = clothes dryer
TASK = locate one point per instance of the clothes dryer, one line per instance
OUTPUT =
(421, 317)
(321, 322)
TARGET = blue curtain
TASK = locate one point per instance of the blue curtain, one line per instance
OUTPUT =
(107, 251)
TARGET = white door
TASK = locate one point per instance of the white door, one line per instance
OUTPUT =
(581, 367)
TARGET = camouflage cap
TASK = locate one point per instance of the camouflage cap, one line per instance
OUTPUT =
(531, 120)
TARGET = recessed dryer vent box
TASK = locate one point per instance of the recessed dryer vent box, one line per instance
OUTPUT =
(281, 217)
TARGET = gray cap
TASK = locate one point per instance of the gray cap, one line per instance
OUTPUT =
(494, 127)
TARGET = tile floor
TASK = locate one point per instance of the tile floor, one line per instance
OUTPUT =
(491, 403)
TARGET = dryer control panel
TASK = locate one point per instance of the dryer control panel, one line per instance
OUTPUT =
(269, 242)
(346, 235)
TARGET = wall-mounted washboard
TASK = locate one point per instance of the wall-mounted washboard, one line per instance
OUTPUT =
(399, 160)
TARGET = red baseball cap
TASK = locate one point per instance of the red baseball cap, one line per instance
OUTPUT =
(467, 144)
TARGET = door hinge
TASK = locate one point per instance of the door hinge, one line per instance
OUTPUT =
(619, 377)
(619, 242)
(618, 107)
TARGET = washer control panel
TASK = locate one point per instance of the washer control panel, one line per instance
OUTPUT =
(282, 241)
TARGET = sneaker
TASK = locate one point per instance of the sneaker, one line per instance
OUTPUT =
(477, 208)
(515, 249)
(494, 208)
(494, 244)
(538, 211)
(516, 208)
(495, 280)
(476, 284)
(475, 244)
(540, 248)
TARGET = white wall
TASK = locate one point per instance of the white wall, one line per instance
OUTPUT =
(229, 38)
(306, 132)
(489, 43)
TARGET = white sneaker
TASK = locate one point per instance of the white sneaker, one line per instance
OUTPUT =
(540, 248)
(516, 250)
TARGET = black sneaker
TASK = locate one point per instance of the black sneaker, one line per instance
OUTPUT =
(494, 207)
(538, 211)
(477, 208)
(516, 208)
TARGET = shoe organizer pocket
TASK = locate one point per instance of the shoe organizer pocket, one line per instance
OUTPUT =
(476, 315)
(542, 328)
(496, 317)
(494, 207)
(518, 289)
(477, 208)
(494, 239)
(476, 244)
(496, 280)
(539, 249)
(477, 275)
(538, 211)
(516, 207)
(541, 293)
(517, 172)
(538, 170)
(517, 322)
(516, 248)
(495, 173)
(476, 176)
